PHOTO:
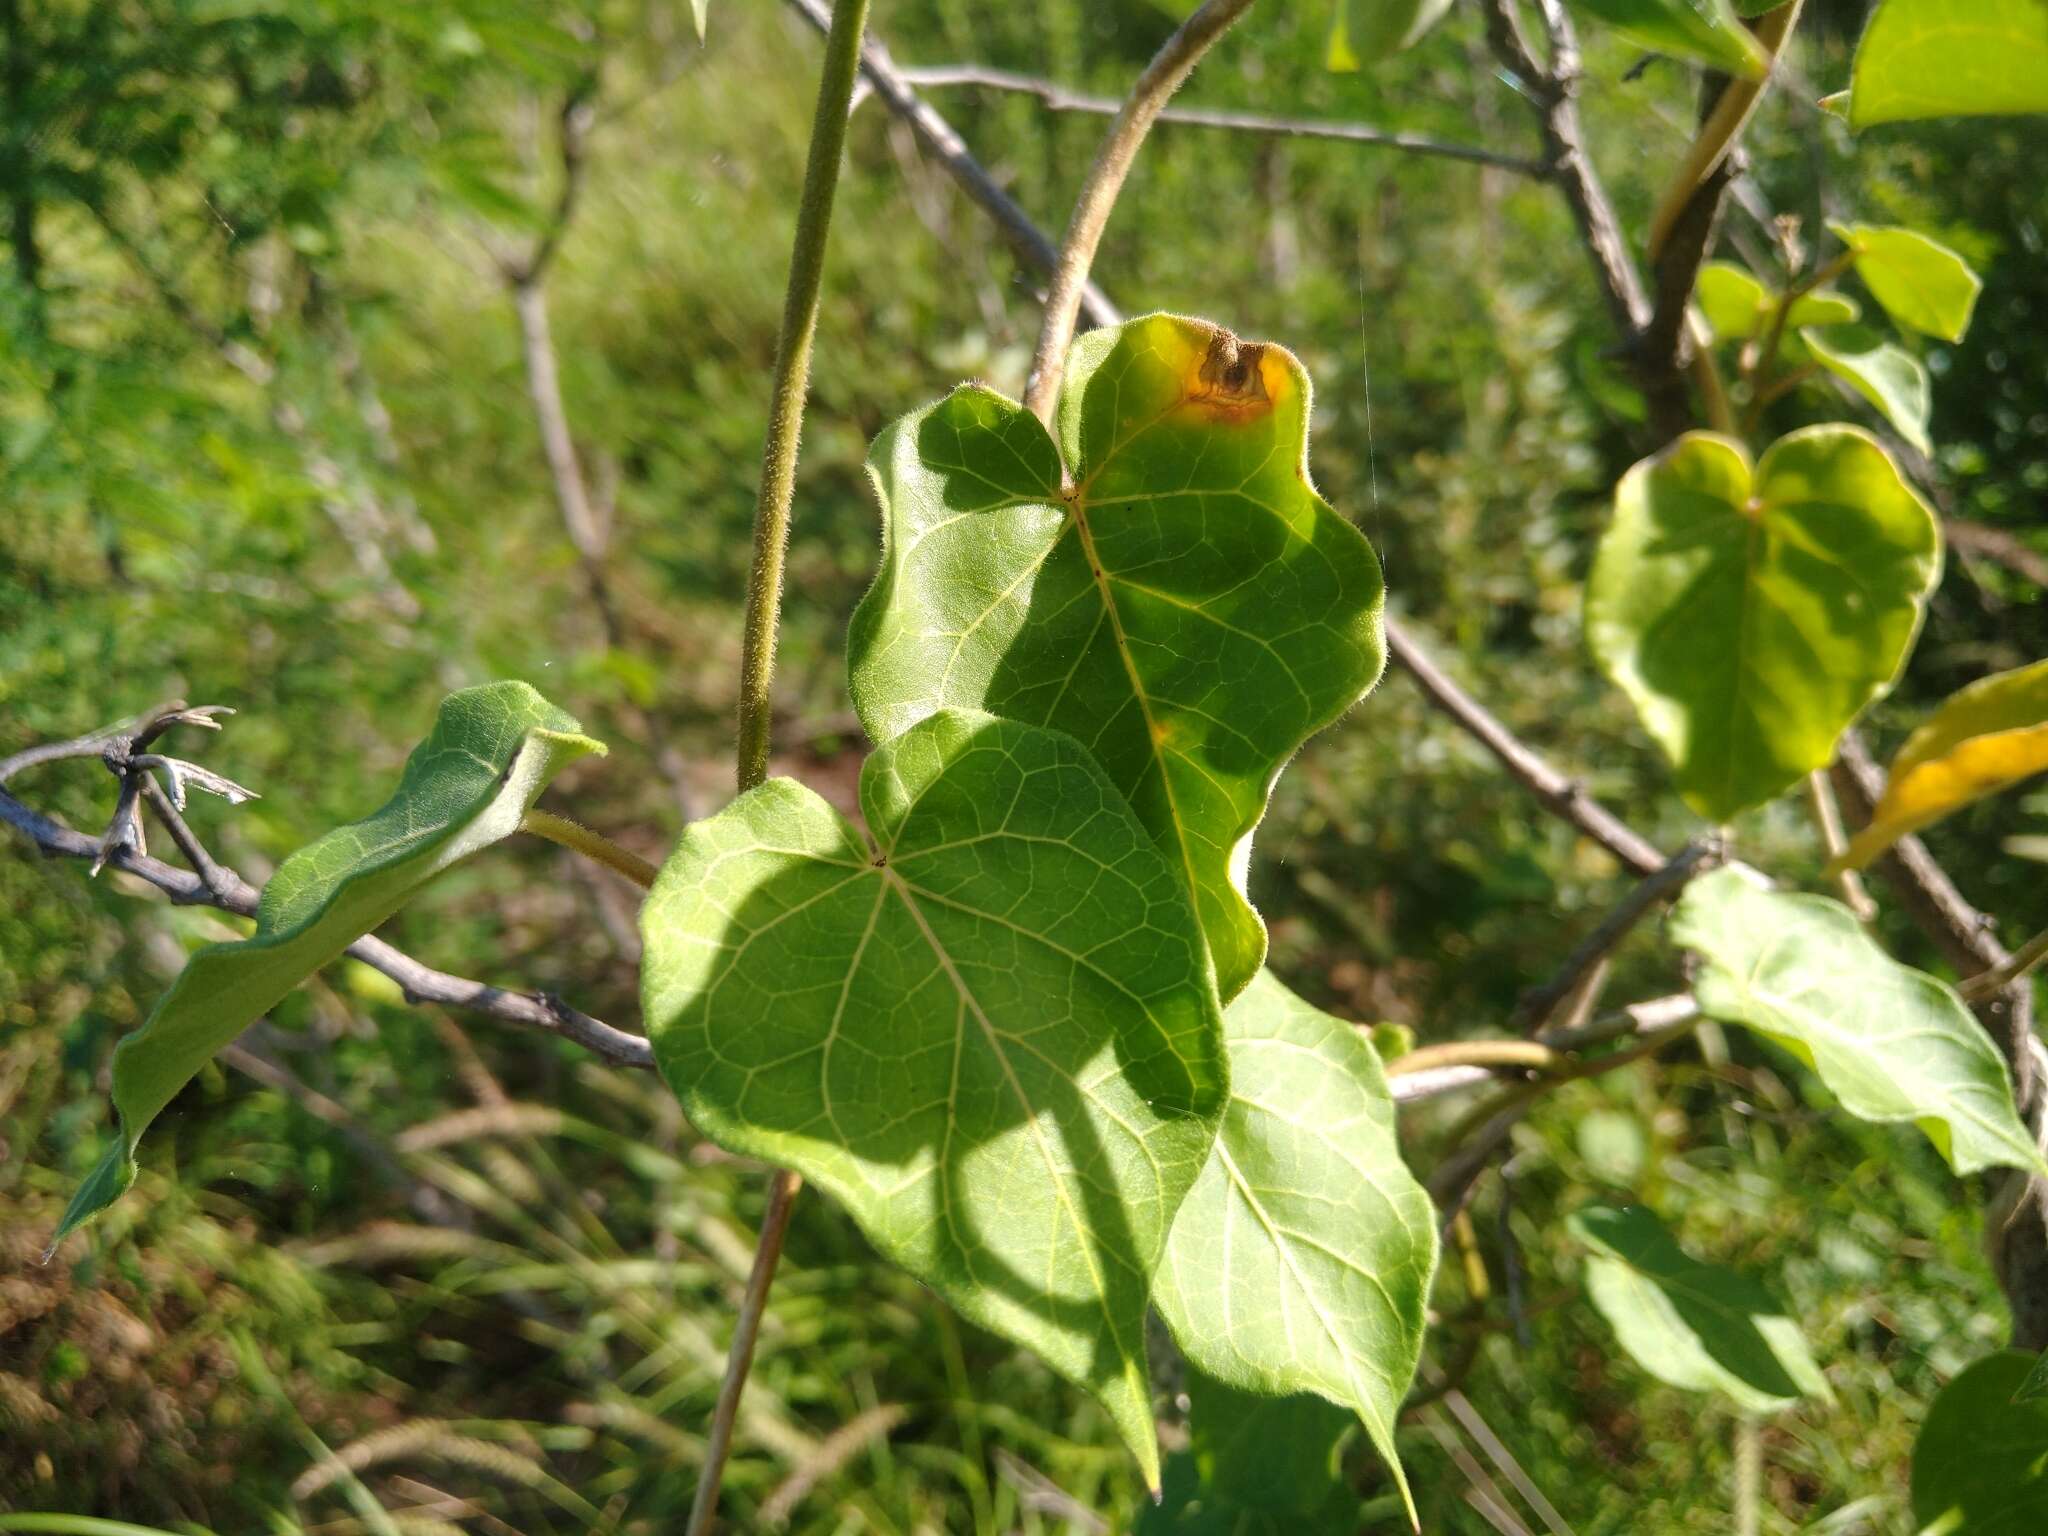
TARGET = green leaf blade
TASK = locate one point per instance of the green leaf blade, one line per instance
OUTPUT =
(1892, 1044)
(1883, 372)
(1921, 283)
(993, 1037)
(1950, 58)
(1367, 31)
(1695, 1325)
(1189, 608)
(1707, 31)
(492, 750)
(1980, 1463)
(1751, 615)
(1301, 1261)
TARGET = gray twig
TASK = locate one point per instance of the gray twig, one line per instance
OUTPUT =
(939, 139)
(216, 885)
(1059, 99)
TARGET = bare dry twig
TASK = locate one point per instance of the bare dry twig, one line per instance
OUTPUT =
(213, 884)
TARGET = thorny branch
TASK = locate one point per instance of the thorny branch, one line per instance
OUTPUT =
(213, 884)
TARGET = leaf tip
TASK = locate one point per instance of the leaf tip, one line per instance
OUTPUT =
(109, 1180)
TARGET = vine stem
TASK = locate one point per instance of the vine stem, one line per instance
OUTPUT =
(1722, 128)
(2017, 964)
(593, 845)
(1171, 65)
(792, 377)
(764, 607)
(1827, 816)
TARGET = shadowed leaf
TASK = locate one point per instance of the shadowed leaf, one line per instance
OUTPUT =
(1255, 1466)
(1301, 1260)
(1980, 1464)
(1883, 372)
(1366, 31)
(992, 1034)
(1688, 1323)
(1188, 608)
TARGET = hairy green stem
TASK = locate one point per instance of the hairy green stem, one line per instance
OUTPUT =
(594, 846)
(757, 656)
(1171, 65)
(792, 378)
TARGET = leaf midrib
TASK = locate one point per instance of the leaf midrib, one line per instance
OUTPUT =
(892, 881)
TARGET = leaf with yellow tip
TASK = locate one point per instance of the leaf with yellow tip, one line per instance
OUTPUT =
(1985, 738)
(1162, 582)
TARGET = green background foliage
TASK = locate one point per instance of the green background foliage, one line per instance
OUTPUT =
(515, 1266)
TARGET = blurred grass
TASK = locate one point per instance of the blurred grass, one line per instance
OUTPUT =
(483, 1284)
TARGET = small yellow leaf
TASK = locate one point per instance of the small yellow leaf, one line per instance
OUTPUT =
(1985, 738)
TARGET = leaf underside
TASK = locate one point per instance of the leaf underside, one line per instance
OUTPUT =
(1301, 1260)
(992, 1033)
(492, 750)
(1751, 615)
(1891, 1043)
(1188, 607)
(1695, 1325)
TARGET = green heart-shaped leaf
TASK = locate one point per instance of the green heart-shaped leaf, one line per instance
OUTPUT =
(1750, 615)
(1883, 372)
(1695, 1325)
(1950, 58)
(1187, 607)
(1302, 1259)
(492, 751)
(1922, 284)
(992, 1034)
(1892, 1044)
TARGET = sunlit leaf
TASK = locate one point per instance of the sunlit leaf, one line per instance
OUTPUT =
(1950, 58)
(1883, 372)
(1694, 1325)
(1188, 607)
(1892, 1044)
(991, 1032)
(1302, 1259)
(1738, 306)
(1706, 30)
(1980, 1464)
(1366, 31)
(1751, 614)
(1921, 283)
(1984, 738)
(490, 754)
